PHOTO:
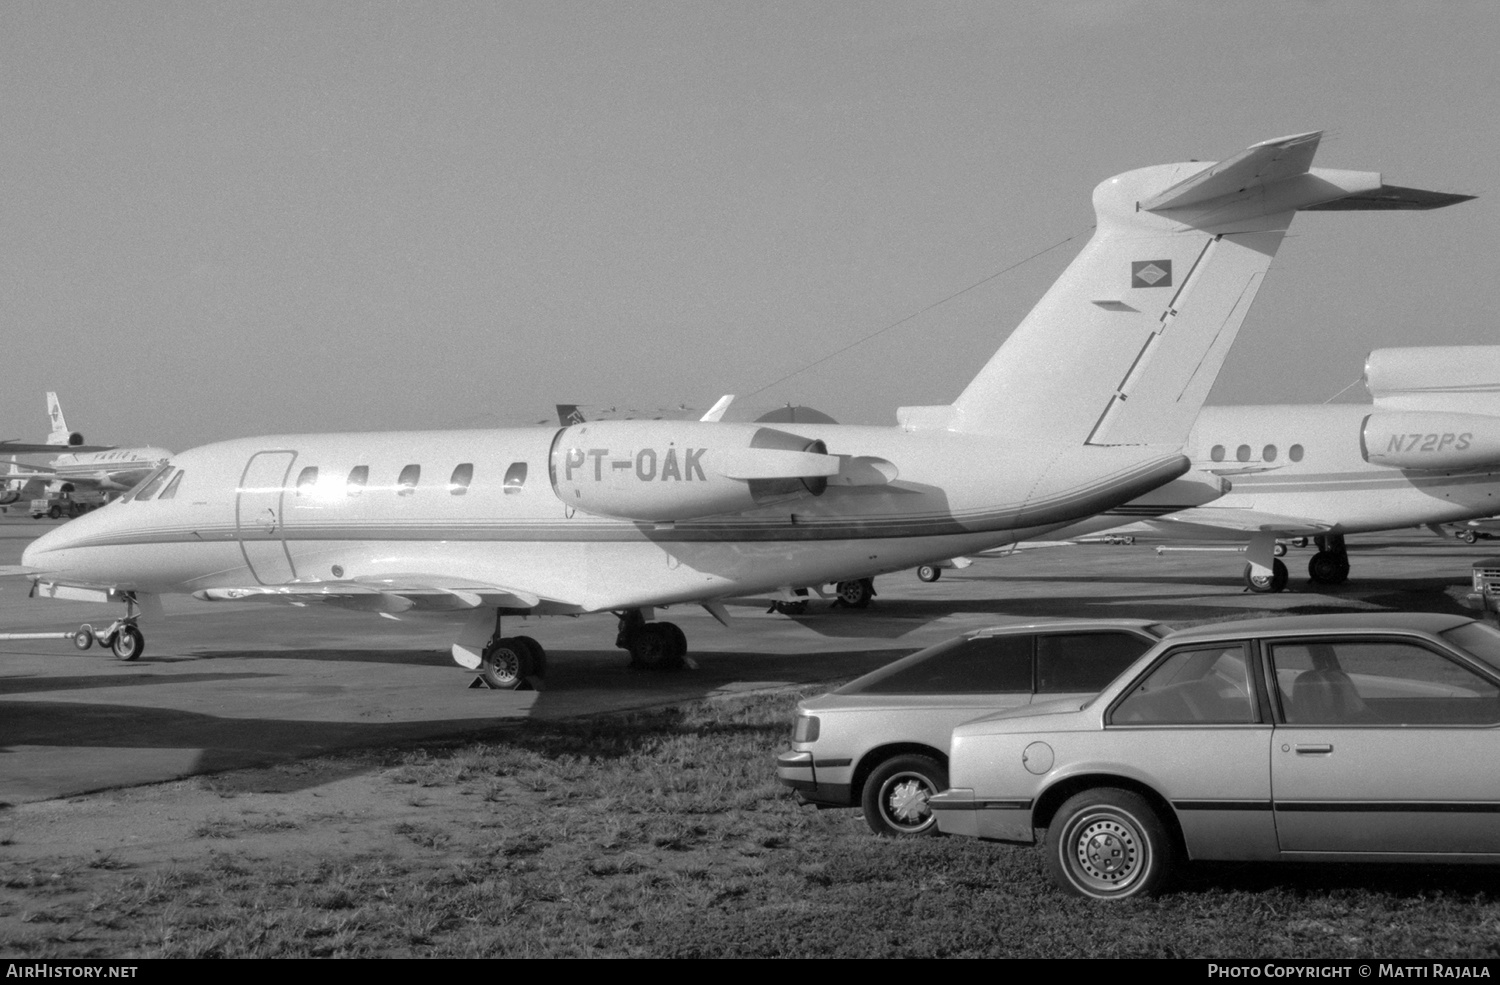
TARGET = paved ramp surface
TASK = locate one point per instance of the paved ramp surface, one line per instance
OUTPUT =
(229, 685)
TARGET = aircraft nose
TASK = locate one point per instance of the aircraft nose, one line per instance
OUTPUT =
(48, 554)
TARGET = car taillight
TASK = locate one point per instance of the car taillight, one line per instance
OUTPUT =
(806, 729)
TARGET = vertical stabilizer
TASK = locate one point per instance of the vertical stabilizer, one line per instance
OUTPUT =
(1125, 346)
(59, 435)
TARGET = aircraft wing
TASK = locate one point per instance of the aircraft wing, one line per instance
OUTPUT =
(27, 448)
(392, 595)
(29, 472)
(1219, 521)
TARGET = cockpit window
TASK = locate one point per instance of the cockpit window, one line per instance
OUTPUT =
(358, 476)
(171, 489)
(458, 483)
(515, 478)
(406, 484)
(147, 486)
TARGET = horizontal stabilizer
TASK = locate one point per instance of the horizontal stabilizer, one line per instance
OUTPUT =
(1391, 198)
(1256, 166)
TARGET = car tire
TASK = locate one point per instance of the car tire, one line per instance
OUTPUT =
(1109, 844)
(896, 793)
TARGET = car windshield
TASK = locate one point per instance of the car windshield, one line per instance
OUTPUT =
(1480, 639)
(968, 665)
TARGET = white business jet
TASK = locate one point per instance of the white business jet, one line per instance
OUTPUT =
(1426, 453)
(1086, 406)
(81, 469)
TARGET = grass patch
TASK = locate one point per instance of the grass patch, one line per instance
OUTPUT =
(665, 834)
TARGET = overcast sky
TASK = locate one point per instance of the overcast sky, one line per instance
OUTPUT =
(229, 219)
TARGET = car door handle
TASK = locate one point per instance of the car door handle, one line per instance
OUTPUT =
(1313, 750)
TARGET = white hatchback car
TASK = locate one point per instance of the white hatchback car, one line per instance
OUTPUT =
(881, 741)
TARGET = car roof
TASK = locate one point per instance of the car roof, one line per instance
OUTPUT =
(1333, 622)
(1052, 623)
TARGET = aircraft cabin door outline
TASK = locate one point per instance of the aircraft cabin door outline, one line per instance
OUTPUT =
(260, 516)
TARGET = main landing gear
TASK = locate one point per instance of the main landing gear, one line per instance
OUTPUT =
(519, 663)
(651, 645)
(513, 663)
(1329, 566)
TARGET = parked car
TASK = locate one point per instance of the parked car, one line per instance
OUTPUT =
(1363, 737)
(881, 741)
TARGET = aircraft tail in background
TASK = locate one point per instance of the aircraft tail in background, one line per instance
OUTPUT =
(59, 435)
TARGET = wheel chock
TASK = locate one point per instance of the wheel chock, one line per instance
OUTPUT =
(479, 683)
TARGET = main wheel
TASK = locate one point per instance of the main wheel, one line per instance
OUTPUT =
(658, 646)
(929, 572)
(504, 664)
(1468, 537)
(536, 656)
(1109, 844)
(1328, 568)
(856, 594)
(790, 608)
(896, 793)
(1279, 550)
(1259, 581)
(128, 643)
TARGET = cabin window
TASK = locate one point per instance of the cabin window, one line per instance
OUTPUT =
(358, 476)
(458, 482)
(406, 484)
(1242, 453)
(1268, 453)
(1217, 454)
(515, 478)
(171, 489)
(306, 479)
(1294, 453)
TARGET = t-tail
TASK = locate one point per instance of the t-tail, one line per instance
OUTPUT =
(1125, 346)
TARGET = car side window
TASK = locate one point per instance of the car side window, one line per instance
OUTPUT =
(1084, 662)
(975, 665)
(1191, 686)
(1378, 682)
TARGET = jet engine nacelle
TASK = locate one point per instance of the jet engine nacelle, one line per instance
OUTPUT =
(76, 438)
(1431, 440)
(660, 471)
(9, 496)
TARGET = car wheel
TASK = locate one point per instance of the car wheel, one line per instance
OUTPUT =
(1109, 844)
(896, 794)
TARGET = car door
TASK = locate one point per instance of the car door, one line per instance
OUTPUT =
(1383, 746)
(1194, 729)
